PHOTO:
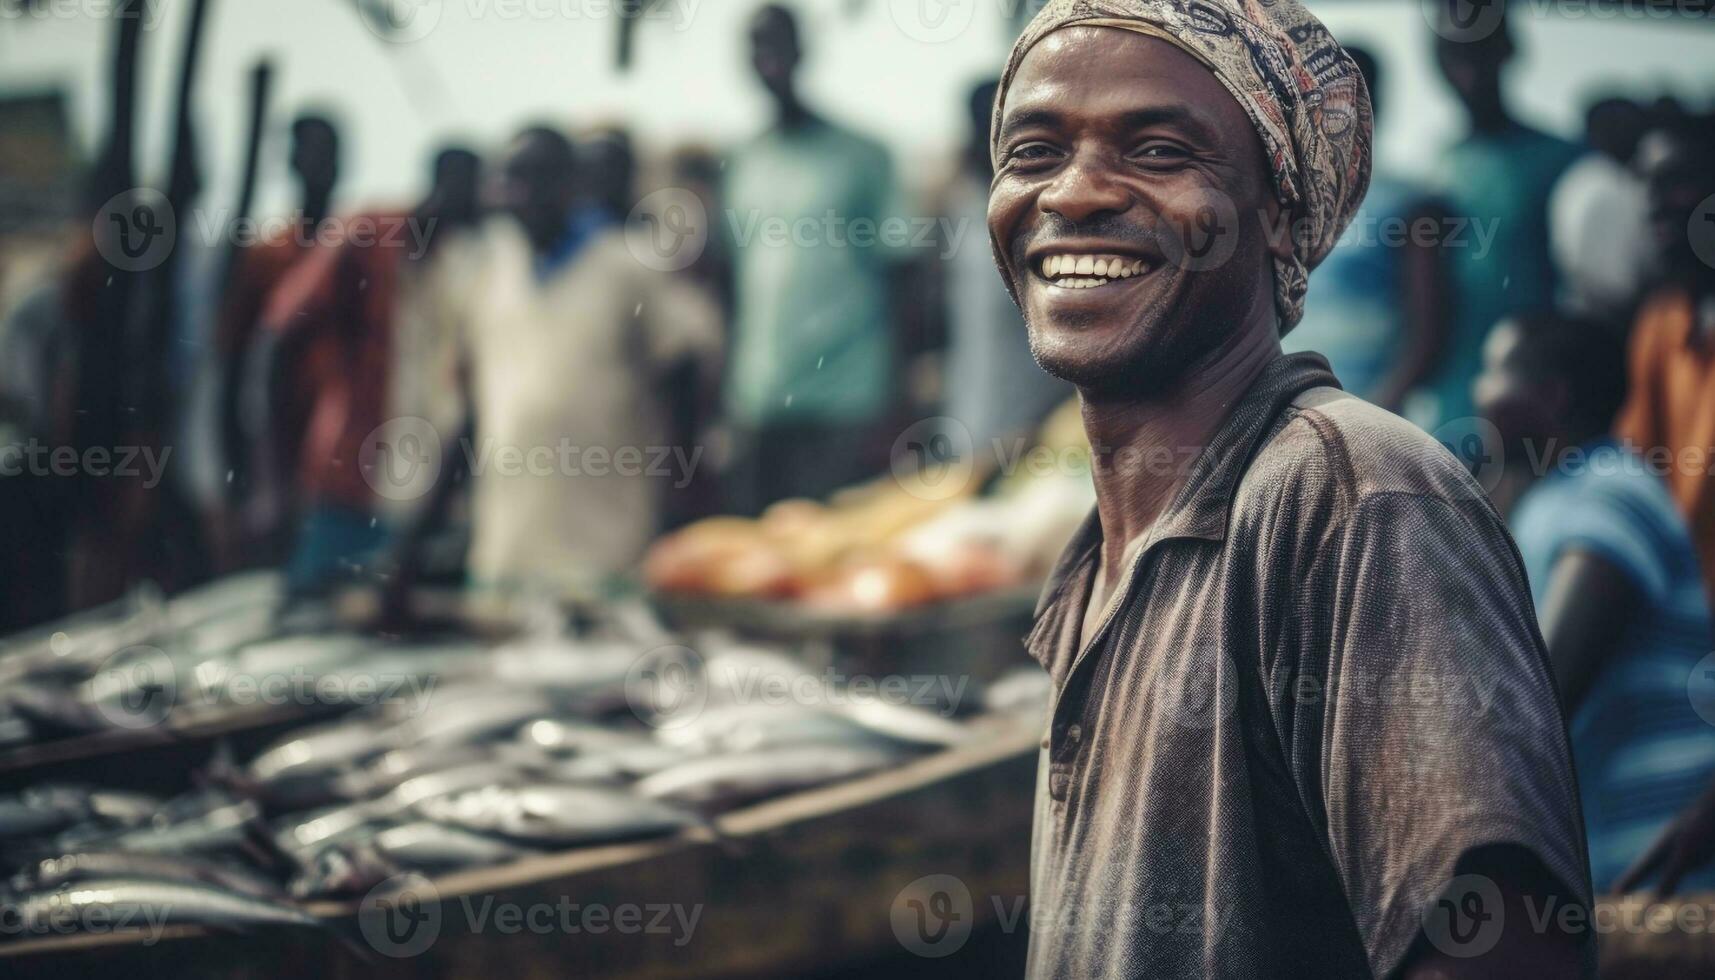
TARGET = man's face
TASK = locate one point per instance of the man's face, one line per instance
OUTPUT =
(1678, 181)
(1511, 392)
(534, 184)
(774, 52)
(1122, 153)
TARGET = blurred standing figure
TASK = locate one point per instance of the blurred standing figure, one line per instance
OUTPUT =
(355, 333)
(1499, 176)
(259, 268)
(1599, 216)
(565, 337)
(1671, 408)
(1615, 578)
(812, 365)
(993, 386)
(1377, 303)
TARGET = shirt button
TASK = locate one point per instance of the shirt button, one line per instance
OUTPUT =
(1057, 783)
(1074, 733)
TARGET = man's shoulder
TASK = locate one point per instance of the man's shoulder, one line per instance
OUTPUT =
(1339, 450)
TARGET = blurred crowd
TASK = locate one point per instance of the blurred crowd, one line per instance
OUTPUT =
(567, 347)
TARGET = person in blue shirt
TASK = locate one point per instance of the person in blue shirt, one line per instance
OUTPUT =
(1616, 581)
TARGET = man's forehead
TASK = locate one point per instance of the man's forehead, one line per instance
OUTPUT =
(1086, 67)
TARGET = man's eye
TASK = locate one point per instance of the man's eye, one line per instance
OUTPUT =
(1032, 152)
(1160, 153)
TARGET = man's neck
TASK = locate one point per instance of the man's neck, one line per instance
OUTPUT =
(790, 114)
(1126, 435)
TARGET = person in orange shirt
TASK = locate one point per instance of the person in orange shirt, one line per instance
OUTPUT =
(1670, 415)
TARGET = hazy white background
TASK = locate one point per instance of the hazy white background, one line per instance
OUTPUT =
(490, 65)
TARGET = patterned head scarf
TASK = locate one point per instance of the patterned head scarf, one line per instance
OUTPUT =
(1301, 90)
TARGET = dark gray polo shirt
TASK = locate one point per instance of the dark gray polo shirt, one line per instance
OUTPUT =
(1321, 685)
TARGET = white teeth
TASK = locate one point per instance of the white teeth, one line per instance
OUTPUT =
(1104, 267)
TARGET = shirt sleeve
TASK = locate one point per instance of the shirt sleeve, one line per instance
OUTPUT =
(1626, 528)
(1438, 730)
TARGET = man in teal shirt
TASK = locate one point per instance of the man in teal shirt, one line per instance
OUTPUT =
(1498, 180)
(810, 224)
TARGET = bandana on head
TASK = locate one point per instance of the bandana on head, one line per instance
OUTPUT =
(1301, 90)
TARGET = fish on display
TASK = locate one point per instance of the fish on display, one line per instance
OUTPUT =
(552, 814)
(137, 904)
(561, 737)
(350, 868)
(305, 833)
(424, 845)
(298, 770)
(721, 782)
(215, 825)
(473, 714)
(53, 808)
(620, 764)
(50, 873)
(744, 727)
(905, 722)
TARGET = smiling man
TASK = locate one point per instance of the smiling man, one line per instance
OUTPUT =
(1303, 724)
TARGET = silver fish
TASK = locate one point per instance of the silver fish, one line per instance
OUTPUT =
(744, 727)
(53, 872)
(556, 814)
(619, 764)
(560, 737)
(905, 722)
(318, 751)
(135, 904)
(308, 833)
(427, 846)
(217, 827)
(721, 782)
(461, 716)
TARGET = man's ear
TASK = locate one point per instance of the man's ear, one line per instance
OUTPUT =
(1277, 228)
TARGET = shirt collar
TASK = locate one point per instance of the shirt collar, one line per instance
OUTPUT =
(1201, 507)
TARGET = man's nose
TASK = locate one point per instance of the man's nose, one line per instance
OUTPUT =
(1084, 188)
